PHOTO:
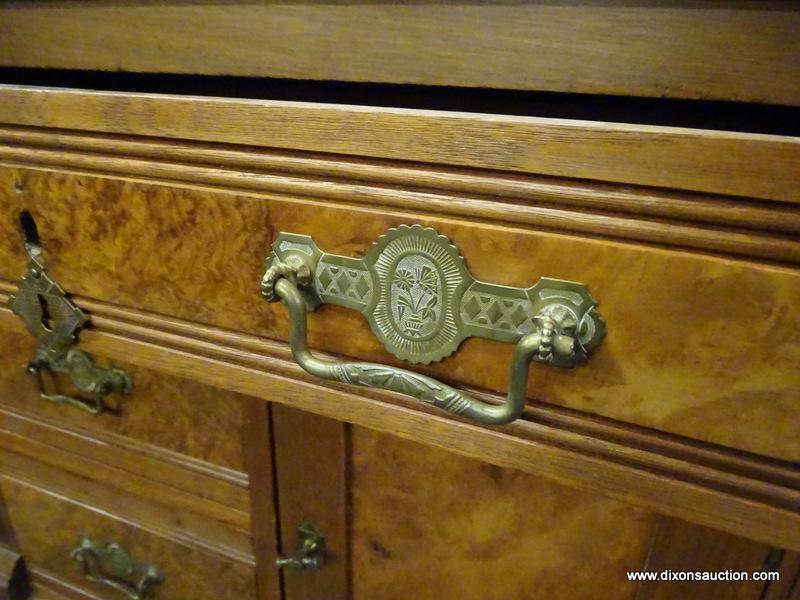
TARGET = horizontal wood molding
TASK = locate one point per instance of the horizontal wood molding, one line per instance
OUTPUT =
(733, 491)
(48, 586)
(164, 467)
(739, 164)
(732, 51)
(49, 525)
(763, 230)
(150, 512)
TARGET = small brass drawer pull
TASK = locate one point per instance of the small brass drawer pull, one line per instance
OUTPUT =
(111, 565)
(54, 320)
(422, 302)
(310, 554)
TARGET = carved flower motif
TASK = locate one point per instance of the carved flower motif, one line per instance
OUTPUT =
(427, 279)
(404, 279)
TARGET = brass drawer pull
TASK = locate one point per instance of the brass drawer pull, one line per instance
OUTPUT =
(54, 320)
(111, 565)
(422, 302)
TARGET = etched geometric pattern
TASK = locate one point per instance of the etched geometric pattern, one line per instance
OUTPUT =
(421, 301)
(343, 283)
(496, 312)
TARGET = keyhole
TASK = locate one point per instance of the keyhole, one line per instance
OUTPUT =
(47, 319)
(29, 230)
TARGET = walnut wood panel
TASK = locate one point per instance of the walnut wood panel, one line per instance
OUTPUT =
(131, 457)
(763, 230)
(739, 51)
(263, 508)
(310, 470)
(180, 517)
(47, 586)
(177, 414)
(680, 546)
(428, 524)
(761, 166)
(698, 346)
(788, 588)
(748, 495)
(48, 527)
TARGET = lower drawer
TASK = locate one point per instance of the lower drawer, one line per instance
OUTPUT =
(46, 528)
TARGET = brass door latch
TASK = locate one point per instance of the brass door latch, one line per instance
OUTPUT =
(54, 320)
(310, 554)
(421, 303)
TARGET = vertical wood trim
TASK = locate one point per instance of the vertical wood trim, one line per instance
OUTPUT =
(259, 461)
(310, 459)
(682, 546)
(788, 587)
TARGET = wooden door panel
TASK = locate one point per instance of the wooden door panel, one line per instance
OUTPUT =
(429, 524)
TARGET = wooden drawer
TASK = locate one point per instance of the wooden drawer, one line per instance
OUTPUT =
(159, 225)
(699, 346)
(47, 527)
(193, 423)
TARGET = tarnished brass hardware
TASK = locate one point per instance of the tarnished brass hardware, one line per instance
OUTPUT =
(310, 550)
(421, 302)
(54, 320)
(111, 565)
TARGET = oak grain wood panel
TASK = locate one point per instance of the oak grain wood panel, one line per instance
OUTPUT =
(264, 529)
(788, 587)
(365, 180)
(311, 456)
(765, 231)
(158, 509)
(179, 415)
(680, 546)
(739, 164)
(696, 489)
(48, 527)
(697, 346)
(132, 457)
(429, 524)
(48, 586)
(739, 51)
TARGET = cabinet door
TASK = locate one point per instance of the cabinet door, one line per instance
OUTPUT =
(403, 520)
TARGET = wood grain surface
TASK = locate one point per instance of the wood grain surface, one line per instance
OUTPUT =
(429, 524)
(743, 51)
(698, 346)
(176, 414)
(311, 474)
(735, 492)
(48, 527)
(682, 547)
(156, 507)
(130, 456)
(742, 227)
(264, 529)
(739, 164)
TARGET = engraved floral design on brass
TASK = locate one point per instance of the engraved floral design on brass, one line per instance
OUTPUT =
(421, 302)
(419, 276)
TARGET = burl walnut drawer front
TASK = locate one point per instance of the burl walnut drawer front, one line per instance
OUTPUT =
(185, 418)
(701, 346)
(66, 544)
